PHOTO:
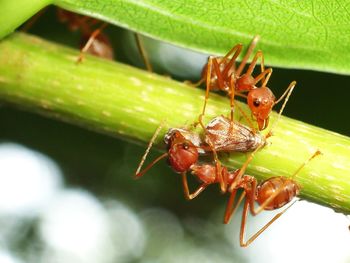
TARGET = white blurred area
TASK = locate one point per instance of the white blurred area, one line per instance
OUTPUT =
(307, 232)
(166, 57)
(74, 226)
(28, 180)
(71, 224)
(7, 257)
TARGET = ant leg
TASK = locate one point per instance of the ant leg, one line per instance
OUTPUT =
(252, 65)
(231, 208)
(247, 55)
(219, 75)
(195, 84)
(250, 123)
(207, 86)
(90, 41)
(223, 185)
(241, 94)
(237, 50)
(189, 196)
(243, 169)
(265, 76)
(232, 96)
(150, 144)
(259, 232)
(143, 53)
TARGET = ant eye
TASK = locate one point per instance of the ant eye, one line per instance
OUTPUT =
(185, 145)
(256, 103)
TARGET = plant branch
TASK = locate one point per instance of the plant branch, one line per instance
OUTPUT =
(122, 101)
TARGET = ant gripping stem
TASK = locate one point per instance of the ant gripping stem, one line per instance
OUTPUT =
(283, 189)
(272, 200)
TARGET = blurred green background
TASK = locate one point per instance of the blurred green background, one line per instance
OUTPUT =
(148, 220)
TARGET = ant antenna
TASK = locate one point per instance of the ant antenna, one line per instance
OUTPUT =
(288, 92)
(150, 144)
(316, 153)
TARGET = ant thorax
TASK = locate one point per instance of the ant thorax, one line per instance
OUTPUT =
(228, 136)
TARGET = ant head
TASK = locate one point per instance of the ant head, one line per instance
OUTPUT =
(260, 101)
(182, 152)
(205, 173)
(246, 82)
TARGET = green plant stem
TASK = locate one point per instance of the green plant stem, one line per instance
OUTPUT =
(14, 13)
(129, 103)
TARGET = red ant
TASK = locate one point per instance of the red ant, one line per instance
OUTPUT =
(183, 152)
(225, 77)
(270, 194)
(93, 42)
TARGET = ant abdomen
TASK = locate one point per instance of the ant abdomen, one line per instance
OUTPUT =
(288, 190)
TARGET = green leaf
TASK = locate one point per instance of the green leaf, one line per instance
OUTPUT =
(294, 34)
(14, 13)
